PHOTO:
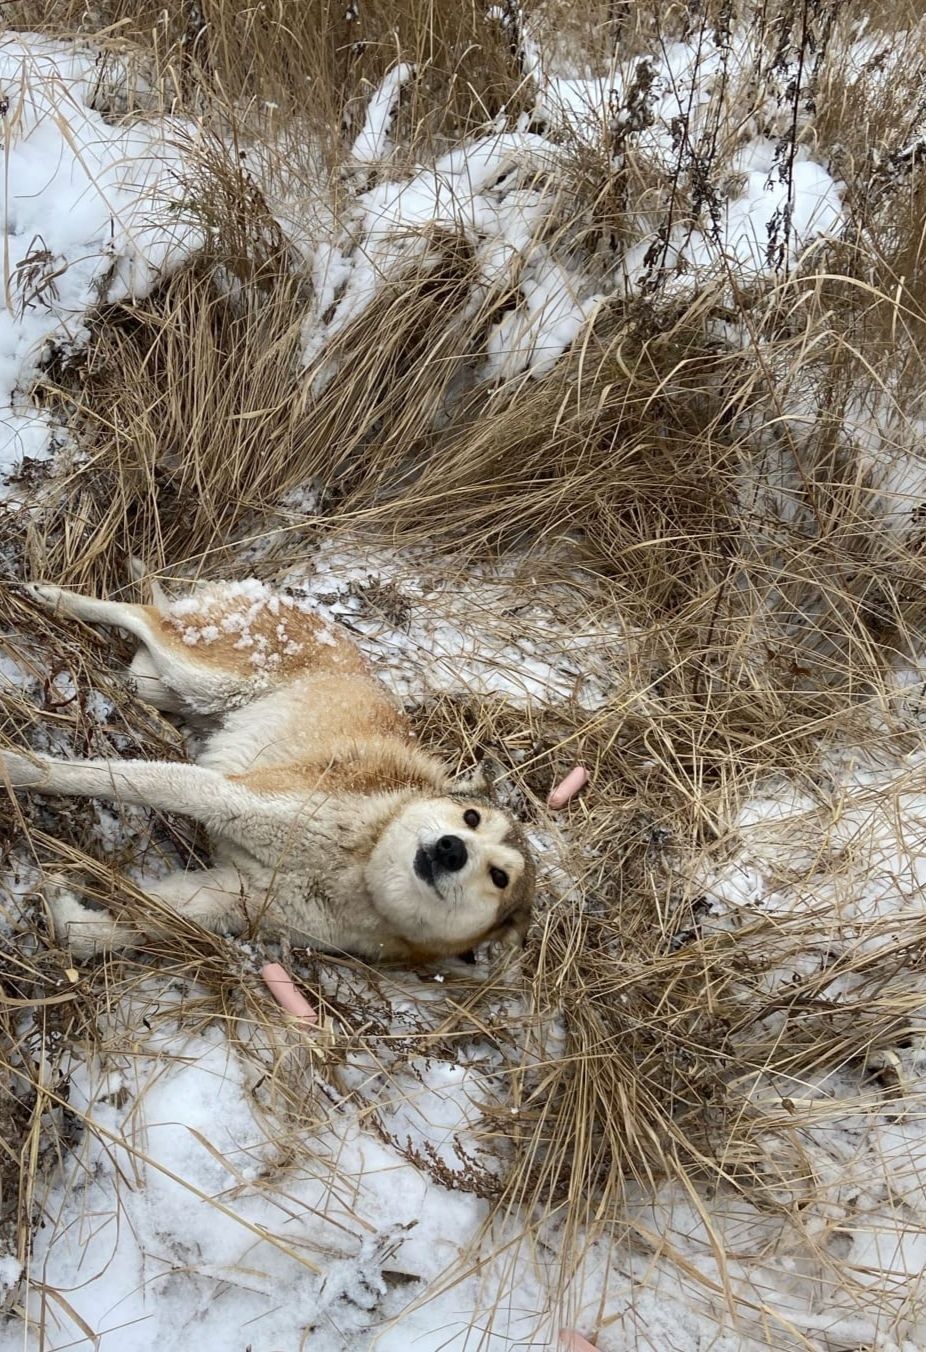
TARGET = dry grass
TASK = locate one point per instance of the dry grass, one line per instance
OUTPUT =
(317, 60)
(749, 553)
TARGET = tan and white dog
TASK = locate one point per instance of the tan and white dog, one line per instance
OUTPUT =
(328, 826)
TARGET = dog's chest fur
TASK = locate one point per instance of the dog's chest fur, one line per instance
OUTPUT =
(332, 751)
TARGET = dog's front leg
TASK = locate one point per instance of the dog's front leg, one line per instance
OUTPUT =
(211, 898)
(166, 786)
(270, 825)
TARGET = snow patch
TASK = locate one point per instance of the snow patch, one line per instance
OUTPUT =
(373, 142)
(89, 214)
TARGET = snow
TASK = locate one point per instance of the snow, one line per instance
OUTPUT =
(89, 214)
(477, 190)
(549, 320)
(503, 193)
(209, 612)
(779, 207)
(179, 1214)
(201, 1204)
(488, 190)
(373, 143)
(839, 875)
(454, 631)
(192, 1209)
(10, 1270)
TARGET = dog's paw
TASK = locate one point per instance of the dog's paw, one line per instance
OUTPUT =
(20, 771)
(44, 594)
(74, 924)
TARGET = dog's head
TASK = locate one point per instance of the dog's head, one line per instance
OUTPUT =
(452, 872)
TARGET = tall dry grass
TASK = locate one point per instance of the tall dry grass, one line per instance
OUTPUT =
(769, 589)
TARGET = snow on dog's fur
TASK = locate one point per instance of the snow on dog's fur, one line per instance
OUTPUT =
(328, 825)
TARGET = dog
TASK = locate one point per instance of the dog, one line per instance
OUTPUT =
(329, 827)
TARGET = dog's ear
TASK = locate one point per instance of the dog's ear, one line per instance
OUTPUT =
(480, 782)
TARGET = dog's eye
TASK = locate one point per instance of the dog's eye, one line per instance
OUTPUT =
(472, 818)
(499, 877)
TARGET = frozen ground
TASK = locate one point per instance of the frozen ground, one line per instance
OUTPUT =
(195, 1207)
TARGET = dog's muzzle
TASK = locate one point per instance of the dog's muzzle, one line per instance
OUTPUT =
(446, 855)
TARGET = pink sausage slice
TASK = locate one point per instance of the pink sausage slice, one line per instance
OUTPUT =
(282, 987)
(570, 786)
(574, 1342)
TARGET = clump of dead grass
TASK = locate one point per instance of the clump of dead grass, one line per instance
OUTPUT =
(315, 63)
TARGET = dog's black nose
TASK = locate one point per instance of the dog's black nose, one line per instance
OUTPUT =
(450, 853)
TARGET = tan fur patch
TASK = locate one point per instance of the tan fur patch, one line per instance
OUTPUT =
(247, 627)
(364, 767)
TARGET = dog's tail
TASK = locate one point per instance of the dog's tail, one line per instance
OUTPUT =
(141, 573)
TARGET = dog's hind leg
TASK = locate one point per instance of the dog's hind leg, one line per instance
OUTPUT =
(142, 622)
(137, 620)
(164, 678)
(168, 672)
(211, 899)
